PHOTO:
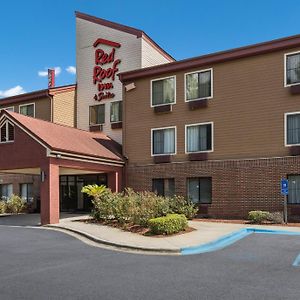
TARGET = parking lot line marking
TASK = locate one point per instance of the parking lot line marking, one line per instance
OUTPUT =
(232, 238)
(297, 261)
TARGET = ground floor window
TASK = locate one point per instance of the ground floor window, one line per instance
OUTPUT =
(294, 189)
(200, 190)
(26, 192)
(6, 190)
(164, 186)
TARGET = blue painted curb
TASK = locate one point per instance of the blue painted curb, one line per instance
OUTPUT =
(230, 239)
(297, 261)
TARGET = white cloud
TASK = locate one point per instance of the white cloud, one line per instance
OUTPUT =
(17, 90)
(71, 70)
(45, 73)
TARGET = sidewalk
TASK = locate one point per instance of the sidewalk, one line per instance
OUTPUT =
(206, 232)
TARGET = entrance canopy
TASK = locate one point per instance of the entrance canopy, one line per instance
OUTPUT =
(32, 146)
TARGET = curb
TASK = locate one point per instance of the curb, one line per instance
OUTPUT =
(116, 245)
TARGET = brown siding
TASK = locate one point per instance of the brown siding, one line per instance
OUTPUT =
(42, 108)
(64, 108)
(247, 110)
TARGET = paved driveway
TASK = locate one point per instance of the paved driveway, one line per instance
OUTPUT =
(44, 264)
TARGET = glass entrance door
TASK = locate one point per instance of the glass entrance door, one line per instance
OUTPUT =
(71, 198)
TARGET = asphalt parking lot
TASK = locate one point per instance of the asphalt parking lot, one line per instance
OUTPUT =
(45, 264)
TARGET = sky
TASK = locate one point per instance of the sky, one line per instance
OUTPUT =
(40, 34)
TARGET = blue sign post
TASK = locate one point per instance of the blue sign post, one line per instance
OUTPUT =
(285, 192)
(284, 187)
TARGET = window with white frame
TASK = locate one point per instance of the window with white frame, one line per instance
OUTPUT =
(198, 85)
(11, 108)
(26, 192)
(199, 137)
(7, 132)
(163, 91)
(97, 114)
(116, 111)
(292, 129)
(6, 190)
(292, 68)
(27, 110)
(200, 190)
(163, 141)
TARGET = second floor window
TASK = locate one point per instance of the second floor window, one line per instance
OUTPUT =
(199, 138)
(27, 110)
(116, 112)
(198, 85)
(7, 132)
(293, 129)
(163, 141)
(163, 91)
(292, 69)
(97, 114)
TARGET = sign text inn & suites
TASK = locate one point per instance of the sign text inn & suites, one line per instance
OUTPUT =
(220, 129)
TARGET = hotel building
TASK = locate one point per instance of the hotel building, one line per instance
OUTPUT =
(220, 129)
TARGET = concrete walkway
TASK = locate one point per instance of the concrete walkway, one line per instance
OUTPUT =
(205, 232)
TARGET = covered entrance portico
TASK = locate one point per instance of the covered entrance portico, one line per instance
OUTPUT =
(59, 154)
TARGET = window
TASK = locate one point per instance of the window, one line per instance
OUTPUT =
(26, 192)
(200, 190)
(11, 108)
(292, 68)
(7, 132)
(292, 124)
(199, 137)
(6, 190)
(294, 189)
(27, 110)
(198, 85)
(97, 114)
(163, 141)
(116, 111)
(164, 187)
(163, 91)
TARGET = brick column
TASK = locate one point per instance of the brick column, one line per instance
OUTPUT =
(50, 194)
(114, 181)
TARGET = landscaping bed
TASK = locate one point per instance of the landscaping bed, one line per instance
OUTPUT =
(140, 212)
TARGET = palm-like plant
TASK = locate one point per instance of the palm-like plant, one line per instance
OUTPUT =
(94, 190)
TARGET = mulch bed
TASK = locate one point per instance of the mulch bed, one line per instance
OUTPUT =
(133, 228)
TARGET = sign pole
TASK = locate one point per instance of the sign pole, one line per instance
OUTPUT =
(285, 210)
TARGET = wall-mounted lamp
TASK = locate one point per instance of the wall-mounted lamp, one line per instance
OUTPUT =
(58, 155)
(43, 176)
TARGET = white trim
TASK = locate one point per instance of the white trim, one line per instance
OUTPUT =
(90, 114)
(212, 137)
(5, 123)
(285, 128)
(82, 158)
(157, 79)
(285, 78)
(211, 84)
(175, 141)
(6, 108)
(28, 104)
(111, 102)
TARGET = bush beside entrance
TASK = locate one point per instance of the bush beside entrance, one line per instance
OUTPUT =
(130, 207)
(13, 205)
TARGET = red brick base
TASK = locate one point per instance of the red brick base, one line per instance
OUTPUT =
(238, 186)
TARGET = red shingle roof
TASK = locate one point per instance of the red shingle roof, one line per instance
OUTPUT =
(68, 139)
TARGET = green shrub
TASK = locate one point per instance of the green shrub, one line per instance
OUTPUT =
(169, 224)
(15, 205)
(2, 207)
(258, 216)
(179, 205)
(276, 218)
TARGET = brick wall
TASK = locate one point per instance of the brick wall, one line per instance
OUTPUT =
(238, 186)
